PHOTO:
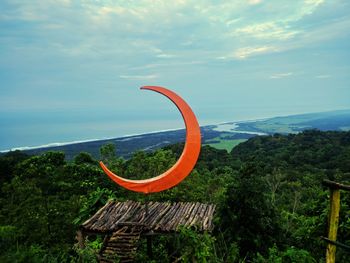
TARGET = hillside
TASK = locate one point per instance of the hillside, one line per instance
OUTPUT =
(271, 204)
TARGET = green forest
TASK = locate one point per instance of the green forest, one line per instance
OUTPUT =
(271, 205)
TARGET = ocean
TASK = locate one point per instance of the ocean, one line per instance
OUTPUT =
(34, 129)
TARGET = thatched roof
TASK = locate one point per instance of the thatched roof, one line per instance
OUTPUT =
(161, 217)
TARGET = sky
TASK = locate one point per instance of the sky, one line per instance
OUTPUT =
(71, 70)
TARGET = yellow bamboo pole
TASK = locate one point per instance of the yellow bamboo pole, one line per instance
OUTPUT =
(333, 224)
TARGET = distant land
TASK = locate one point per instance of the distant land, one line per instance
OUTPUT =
(221, 136)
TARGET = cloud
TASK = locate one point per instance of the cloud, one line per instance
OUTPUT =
(267, 30)
(232, 21)
(93, 50)
(245, 52)
(165, 55)
(168, 64)
(254, 2)
(203, 28)
(313, 3)
(326, 76)
(281, 75)
(135, 36)
(145, 77)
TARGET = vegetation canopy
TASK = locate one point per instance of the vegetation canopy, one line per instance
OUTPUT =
(271, 205)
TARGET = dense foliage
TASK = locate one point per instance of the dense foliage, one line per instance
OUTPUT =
(271, 204)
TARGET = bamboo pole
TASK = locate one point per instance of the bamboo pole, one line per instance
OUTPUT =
(333, 224)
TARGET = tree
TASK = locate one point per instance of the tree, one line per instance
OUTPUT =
(249, 218)
(84, 158)
(108, 152)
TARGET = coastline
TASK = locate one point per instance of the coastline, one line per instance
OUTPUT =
(233, 127)
(57, 144)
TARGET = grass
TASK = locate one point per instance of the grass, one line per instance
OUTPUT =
(288, 124)
(224, 144)
(275, 127)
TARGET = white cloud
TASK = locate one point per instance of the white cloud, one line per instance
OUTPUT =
(307, 7)
(326, 76)
(245, 52)
(281, 75)
(163, 55)
(138, 34)
(313, 2)
(254, 2)
(168, 64)
(268, 30)
(152, 76)
(231, 22)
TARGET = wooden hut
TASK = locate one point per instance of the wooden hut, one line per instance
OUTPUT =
(123, 223)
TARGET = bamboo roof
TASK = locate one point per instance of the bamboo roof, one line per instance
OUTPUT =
(160, 217)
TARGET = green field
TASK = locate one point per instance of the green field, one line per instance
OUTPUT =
(276, 127)
(224, 144)
(288, 124)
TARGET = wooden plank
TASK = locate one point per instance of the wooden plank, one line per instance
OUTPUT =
(124, 213)
(168, 216)
(152, 213)
(174, 222)
(187, 213)
(193, 219)
(100, 219)
(87, 222)
(156, 224)
(336, 243)
(211, 215)
(207, 222)
(162, 209)
(335, 185)
(162, 216)
(107, 217)
(117, 212)
(202, 216)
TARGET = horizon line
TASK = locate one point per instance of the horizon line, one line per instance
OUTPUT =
(58, 144)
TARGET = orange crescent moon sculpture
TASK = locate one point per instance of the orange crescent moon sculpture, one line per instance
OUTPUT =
(182, 167)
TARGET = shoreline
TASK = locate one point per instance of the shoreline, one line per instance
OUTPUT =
(58, 144)
(129, 136)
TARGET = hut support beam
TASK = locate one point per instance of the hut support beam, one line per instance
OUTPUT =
(81, 239)
(149, 247)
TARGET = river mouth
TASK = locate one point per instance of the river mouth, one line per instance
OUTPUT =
(234, 128)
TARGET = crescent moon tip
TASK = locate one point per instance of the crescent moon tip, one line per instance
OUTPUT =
(146, 87)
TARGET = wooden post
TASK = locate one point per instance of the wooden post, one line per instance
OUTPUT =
(333, 224)
(149, 247)
(81, 239)
(148, 237)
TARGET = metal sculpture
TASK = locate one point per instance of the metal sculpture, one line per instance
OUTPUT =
(182, 168)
